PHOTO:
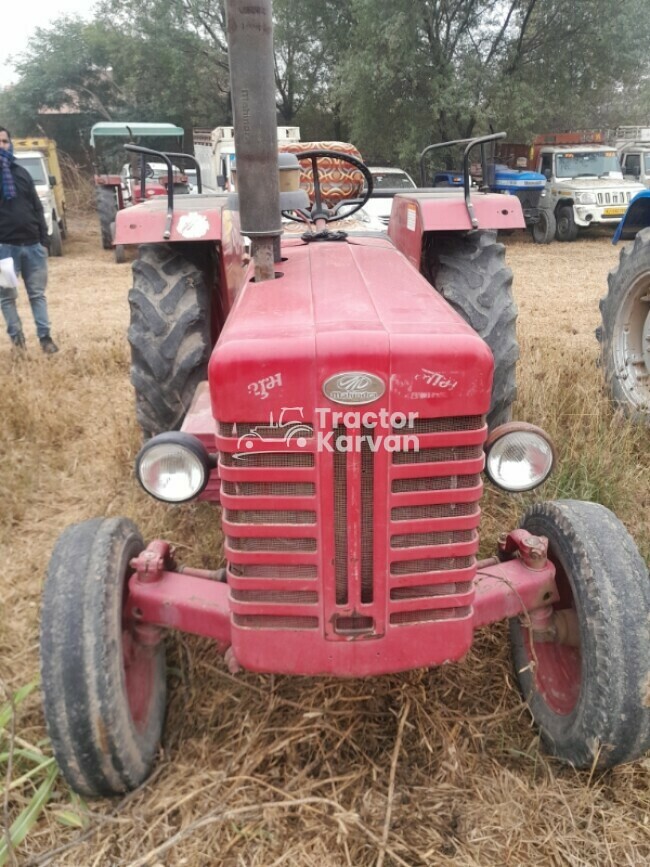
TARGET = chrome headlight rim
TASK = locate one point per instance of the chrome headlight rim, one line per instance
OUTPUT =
(176, 440)
(507, 430)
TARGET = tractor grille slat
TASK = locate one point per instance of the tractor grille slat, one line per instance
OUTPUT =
(439, 455)
(268, 516)
(270, 543)
(417, 540)
(440, 510)
(430, 564)
(340, 520)
(273, 570)
(435, 483)
(268, 489)
(286, 597)
(267, 459)
(441, 425)
(401, 617)
(425, 591)
(367, 517)
(268, 621)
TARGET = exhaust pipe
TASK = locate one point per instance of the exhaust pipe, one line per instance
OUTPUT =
(252, 85)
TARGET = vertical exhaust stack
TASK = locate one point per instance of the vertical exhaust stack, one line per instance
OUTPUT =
(252, 82)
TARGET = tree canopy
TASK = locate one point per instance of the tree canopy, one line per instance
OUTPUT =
(389, 75)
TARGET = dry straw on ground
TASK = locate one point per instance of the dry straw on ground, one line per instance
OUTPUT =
(436, 767)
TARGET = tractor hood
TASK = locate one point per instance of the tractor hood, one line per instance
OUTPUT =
(346, 307)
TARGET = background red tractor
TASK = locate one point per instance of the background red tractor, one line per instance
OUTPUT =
(351, 549)
(136, 179)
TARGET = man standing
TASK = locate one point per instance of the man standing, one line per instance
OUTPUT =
(24, 238)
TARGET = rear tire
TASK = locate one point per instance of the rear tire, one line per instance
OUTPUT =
(625, 330)
(103, 691)
(106, 211)
(590, 702)
(543, 231)
(566, 229)
(169, 335)
(470, 272)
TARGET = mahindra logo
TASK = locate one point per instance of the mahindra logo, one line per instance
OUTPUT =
(354, 387)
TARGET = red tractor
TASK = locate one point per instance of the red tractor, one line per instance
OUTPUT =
(137, 179)
(340, 396)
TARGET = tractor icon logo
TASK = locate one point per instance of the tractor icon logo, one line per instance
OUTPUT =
(289, 428)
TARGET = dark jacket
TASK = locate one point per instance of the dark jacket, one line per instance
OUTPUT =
(21, 219)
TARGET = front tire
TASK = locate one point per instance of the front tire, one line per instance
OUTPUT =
(103, 691)
(169, 334)
(543, 231)
(590, 701)
(566, 229)
(625, 330)
(470, 272)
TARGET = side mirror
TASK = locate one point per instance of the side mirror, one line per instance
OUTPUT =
(221, 181)
(547, 174)
(52, 180)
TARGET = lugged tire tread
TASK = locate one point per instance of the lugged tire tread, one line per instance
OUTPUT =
(470, 272)
(169, 335)
(107, 211)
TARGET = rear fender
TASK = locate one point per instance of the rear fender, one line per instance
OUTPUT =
(636, 217)
(444, 210)
(195, 219)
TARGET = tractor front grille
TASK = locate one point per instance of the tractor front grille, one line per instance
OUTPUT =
(270, 519)
(434, 516)
(351, 541)
(529, 198)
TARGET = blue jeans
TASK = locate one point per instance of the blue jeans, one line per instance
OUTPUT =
(31, 262)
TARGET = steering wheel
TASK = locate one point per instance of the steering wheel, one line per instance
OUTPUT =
(320, 211)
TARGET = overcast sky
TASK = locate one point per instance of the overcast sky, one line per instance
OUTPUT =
(21, 18)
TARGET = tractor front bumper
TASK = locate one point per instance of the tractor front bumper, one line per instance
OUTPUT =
(520, 580)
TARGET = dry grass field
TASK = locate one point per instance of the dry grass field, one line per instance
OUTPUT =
(439, 767)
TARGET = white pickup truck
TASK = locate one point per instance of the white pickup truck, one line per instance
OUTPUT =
(215, 153)
(36, 164)
(584, 186)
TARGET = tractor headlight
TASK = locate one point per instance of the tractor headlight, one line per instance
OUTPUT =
(585, 198)
(519, 457)
(173, 467)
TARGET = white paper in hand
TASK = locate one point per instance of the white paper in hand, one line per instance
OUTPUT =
(8, 279)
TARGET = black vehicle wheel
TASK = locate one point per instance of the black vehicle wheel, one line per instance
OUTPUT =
(169, 334)
(470, 272)
(106, 210)
(625, 330)
(56, 244)
(103, 691)
(566, 229)
(543, 231)
(591, 700)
